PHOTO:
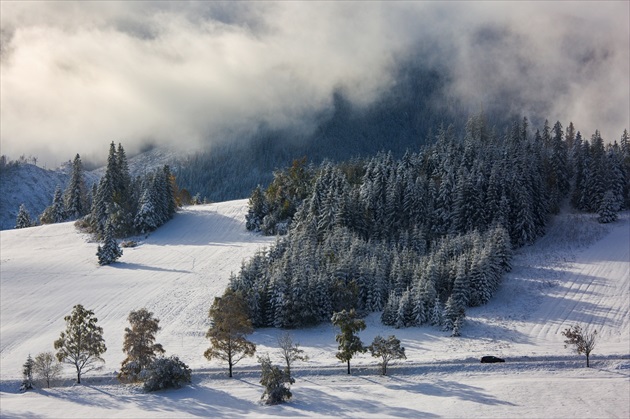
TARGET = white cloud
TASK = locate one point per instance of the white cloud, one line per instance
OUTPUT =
(77, 75)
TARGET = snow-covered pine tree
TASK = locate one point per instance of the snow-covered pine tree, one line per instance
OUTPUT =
(608, 208)
(23, 219)
(110, 251)
(75, 195)
(55, 213)
(27, 373)
(146, 219)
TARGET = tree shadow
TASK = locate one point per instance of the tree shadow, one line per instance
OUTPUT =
(447, 388)
(323, 403)
(138, 266)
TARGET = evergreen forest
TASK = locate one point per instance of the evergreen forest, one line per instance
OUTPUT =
(425, 236)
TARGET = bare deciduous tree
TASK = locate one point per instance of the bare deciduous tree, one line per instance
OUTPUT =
(290, 351)
(46, 367)
(583, 340)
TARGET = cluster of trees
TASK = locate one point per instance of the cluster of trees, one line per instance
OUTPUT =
(425, 236)
(231, 324)
(82, 345)
(131, 206)
(118, 206)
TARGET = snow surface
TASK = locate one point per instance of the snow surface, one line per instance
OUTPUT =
(579, 273)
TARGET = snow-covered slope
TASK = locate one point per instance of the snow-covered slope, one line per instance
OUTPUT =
(176, 272)
(29, 185)
(578, 274)
(34, 186)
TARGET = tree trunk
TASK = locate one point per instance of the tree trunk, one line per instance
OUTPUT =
(78, 377)
(587, 363)
(230, 368)
(348, 366)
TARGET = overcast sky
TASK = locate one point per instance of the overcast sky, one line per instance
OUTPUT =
(76, 75)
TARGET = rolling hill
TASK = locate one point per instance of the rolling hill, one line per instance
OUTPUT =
(579, 273)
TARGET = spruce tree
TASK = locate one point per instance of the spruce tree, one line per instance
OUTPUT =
(55, 213)
(27, 373)
(275, 381)
(76, 201)
(608, 208)
(23, 219)
(110, 251)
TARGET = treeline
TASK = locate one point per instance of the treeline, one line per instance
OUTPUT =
(425, 236)
(118, 202)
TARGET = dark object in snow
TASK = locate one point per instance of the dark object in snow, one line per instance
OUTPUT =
(491, 359)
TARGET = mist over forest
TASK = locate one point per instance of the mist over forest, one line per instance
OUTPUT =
(282, 80)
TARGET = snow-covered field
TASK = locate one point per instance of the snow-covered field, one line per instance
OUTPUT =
(578, 274)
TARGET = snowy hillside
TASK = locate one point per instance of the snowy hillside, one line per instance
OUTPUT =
(29, 185)
(34, 186)
(578, 274)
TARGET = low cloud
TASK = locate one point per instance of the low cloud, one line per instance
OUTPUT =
(77, 75)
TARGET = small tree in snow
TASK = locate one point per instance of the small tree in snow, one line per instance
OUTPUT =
(583, 340)
(275, 381)
(290, 351)
(386, 349)
(110, 251)
(138, 344)
(349, 342)
(46, 367)
(166, 373)
(27, 372)
(23, 219)
(82, 343)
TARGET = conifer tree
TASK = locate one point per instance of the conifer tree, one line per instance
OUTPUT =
(608, 208)
(55, 213)
(76, 202)
(275, 381)
(110, 251)
(82, 344)
(349, 343)
(27, 373)
(23, 219)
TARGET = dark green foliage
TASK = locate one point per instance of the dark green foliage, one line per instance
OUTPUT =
(76, 201)
(56, 212)
(164, 373)
(386, 349)
(608, 208)
(275, 381)
(110, 251)
(27, 374)
(130, 207)
(396, 235)
(82, 344)
(349, 343)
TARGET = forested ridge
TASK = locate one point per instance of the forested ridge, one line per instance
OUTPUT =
(424, 236)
